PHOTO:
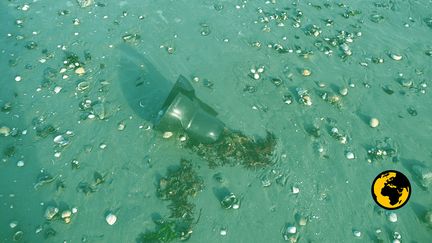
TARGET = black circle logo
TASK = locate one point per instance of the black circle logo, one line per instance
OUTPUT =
(391, 189)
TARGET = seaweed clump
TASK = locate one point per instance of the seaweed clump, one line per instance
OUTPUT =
(178, 186)
(235, 148)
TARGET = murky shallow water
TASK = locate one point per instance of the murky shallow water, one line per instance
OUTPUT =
(343, 45)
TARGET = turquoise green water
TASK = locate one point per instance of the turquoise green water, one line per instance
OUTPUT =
(215, 41)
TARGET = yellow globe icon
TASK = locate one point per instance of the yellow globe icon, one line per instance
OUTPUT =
(391, 189)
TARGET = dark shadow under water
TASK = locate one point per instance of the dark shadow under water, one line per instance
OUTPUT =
(143, 86)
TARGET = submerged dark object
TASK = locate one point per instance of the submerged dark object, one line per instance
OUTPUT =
(183, 110)
(177, 110)
(209, 138)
